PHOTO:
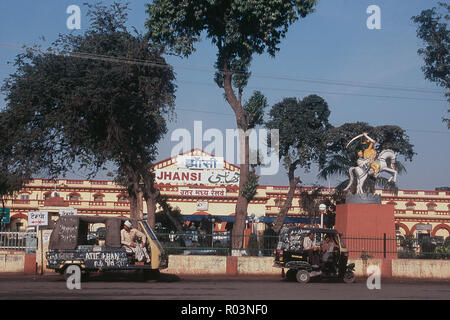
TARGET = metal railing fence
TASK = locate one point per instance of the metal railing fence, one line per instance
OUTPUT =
(18, 241)
(219, 243)
(264, 245)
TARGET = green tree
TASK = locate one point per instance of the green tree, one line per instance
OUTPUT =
(340, 158)
(238, 29)
(433, 30)
(170, 218)
(94, 98)
(302, 126)
(13, 174)
(310, 201)
(172, 214)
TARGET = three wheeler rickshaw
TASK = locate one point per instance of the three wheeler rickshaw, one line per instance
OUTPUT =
(92, 244)
(290, 255)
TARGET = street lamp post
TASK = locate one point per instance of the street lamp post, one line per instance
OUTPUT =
(322, 208)
(212, 231)
(252, 220)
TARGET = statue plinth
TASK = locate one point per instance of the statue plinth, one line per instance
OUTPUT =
(365, 226)
(366, 198)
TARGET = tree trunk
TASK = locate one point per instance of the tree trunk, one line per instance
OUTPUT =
(237, 235)
(166, 211)
(151, 211)
(150, 195)
(293, 182)
(134, 207)
(133, 193)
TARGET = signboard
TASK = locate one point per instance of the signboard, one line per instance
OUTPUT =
(422, 226)
(202, 205)
(37, 218)
(68, 212)
(201, 177)
(216, 192)
(196, 162)
(5, 214)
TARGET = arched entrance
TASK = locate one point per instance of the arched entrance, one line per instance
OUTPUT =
(403, 228)
(442, 230)
(19, 222)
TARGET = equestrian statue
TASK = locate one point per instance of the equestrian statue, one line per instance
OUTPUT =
(369, 163)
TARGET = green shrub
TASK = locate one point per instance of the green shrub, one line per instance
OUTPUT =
(253, 245)
(406, 254)
(365, 255)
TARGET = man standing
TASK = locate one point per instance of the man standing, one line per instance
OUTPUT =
(310, 248)
(128, 238)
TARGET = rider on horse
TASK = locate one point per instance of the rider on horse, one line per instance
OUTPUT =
(367, 158)
(371, 163)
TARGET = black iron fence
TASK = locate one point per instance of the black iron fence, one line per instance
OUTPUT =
(219, 243)
(195, 243)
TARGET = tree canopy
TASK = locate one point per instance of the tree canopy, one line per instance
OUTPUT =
(434, 31)
(92, 98)
(238, 29)
(341, 158)
(303, 126)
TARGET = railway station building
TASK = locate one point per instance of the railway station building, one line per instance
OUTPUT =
(200, 185)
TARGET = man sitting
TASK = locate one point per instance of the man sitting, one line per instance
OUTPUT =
(128, 239)
(310, 248)
(328, 246)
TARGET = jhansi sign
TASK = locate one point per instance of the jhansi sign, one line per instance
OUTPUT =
(37, 218)
(68, 212)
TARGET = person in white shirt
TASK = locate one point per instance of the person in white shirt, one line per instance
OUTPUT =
(328, 246)
(128, 239)
(310, 248)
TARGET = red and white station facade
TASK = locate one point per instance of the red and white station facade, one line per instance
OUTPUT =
(201, 184)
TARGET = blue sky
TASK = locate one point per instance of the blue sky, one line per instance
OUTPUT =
(333, 43)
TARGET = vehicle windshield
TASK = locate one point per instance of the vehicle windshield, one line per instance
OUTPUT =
(151, 234)
(332, 236)
(149, 230)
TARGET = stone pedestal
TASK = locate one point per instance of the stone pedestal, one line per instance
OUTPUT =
(367, 229)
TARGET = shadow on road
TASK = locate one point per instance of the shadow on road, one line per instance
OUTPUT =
(124, 276)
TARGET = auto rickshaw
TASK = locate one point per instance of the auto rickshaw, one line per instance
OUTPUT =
(290, 255)
(74, 243)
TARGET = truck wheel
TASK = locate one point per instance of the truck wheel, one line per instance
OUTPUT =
(71, 269)
(302, 276)
(349, 277)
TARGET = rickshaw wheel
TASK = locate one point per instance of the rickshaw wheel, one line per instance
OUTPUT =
(349, 277)
(290, 275)
(302, 276)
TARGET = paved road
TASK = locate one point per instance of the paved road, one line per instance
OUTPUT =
(171, 287)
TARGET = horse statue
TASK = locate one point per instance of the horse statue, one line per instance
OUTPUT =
(370, 164)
